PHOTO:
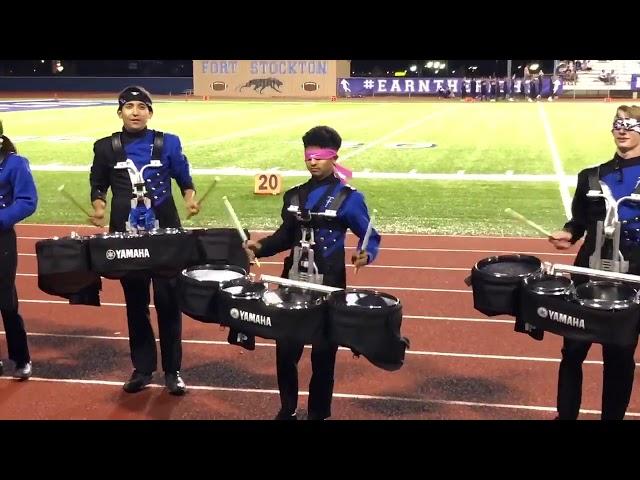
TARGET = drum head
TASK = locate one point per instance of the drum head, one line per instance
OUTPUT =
(246, 290)
(291, 298)
(508, 266)
(606, 295)
(364, 299)
(545, 284)
(214, 273)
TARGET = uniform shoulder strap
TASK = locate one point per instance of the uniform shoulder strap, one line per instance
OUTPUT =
(158, 144)
(116, 144)
(594, 179)
(339, 199)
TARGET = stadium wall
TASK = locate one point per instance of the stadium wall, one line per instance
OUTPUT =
(156, 85)
(268, 78)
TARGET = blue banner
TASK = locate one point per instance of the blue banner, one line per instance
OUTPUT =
(635, 81)
(404, 86)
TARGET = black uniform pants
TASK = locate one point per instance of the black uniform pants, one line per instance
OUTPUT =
(142, 340)
(13, 323)
(323, 362)
(619, 366)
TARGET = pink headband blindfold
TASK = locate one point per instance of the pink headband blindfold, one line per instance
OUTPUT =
(344, 174)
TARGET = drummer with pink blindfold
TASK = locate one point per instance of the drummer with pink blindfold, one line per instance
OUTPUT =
(316, 215)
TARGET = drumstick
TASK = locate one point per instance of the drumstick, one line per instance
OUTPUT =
(206, 194)
(234, 217)
(72, 200)
(524, 219)
(365, 242)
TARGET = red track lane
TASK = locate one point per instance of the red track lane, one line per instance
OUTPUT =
(427, 386)
(419, 390)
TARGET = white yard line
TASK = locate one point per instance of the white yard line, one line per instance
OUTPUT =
(557, 162)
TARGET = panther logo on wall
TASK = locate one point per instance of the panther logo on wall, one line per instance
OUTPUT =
(259, 84)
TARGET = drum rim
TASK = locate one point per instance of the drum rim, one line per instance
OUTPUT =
(523, 258)
(215, 267)
(258, 296)
(333, 298)
(320, 300)
(607, 304)
(526, 284)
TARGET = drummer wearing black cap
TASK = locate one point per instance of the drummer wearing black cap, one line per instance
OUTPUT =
(137, 143)
(622, 175)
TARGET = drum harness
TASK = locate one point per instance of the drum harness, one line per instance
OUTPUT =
(139, 194)
(608, 231)
(303, 255)
(607, 260)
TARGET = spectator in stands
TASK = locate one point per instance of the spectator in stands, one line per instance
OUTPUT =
(473, 88)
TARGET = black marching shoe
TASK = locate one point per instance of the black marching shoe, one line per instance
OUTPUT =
(1, 369)
(137, 382)
(282, 415)
(174, 383)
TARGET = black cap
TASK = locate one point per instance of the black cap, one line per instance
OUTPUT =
(133, 94)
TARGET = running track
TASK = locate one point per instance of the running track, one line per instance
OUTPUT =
(462, 364)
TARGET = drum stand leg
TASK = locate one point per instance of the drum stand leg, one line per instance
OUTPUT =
(608, 246)
(305, 250)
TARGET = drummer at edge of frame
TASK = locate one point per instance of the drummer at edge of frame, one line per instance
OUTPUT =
(321, 192)
(622, 175)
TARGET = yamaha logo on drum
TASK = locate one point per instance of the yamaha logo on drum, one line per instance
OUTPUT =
(250, 317)
(561, 318)
(127, 253)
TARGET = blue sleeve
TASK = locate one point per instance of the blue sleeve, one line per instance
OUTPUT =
(25, 196)
(178, 164)
(356, 216)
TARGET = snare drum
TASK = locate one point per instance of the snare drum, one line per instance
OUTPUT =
(286, 313)
(368, 322)
(63, 265)
(198, 289)
(536, 292)
(496, 282)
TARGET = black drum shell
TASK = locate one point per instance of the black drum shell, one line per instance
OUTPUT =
(64, 266)
(197, 298)
(373, 331)
(605, 295)
(220, 246)
(563, 316)
(300, 325)
(495, 292)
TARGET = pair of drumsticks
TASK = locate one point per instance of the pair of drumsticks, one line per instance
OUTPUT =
(75, 202)
(209, 189)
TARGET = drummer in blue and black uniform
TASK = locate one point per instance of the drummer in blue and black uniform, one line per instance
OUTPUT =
(18, 200)
(140, 144)
(324, 191)
(622, 175)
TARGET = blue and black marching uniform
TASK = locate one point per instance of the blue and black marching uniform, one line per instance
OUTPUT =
(351, 213)
(140, 147)
(18, 200)
(622, 177)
